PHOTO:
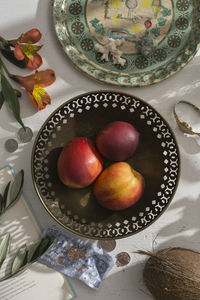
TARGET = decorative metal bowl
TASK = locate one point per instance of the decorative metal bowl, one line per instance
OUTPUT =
(157, 159)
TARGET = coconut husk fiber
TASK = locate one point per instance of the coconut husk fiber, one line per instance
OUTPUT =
(173, 274)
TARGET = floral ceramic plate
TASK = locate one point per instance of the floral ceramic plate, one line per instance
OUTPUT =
(128, 42)
(157, 158)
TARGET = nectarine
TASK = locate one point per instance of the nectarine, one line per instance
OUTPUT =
(119, 186)
(79, 163)
(118, 140)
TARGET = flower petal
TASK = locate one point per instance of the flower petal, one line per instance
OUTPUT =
(35, 62)
(42, 78)
(26, 81)
(30, 37)
(40, 97)
(32, 99)
(18, 52)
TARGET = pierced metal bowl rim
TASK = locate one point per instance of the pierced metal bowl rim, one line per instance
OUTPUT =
(40, 197)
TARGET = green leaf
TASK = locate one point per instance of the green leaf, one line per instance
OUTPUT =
(5, 196)
(2, 99)
(11, 98)
(25, 258)
(18, 93)
(4, 247)
(4, 44)
(43, 246)
(32, 250)
(16, 188)
(1, 204)
(18, 261)
(9, 55)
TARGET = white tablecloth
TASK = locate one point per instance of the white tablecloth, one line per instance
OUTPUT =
(179, 225)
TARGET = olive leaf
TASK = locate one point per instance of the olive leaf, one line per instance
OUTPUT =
(11, 99)
(4, 247)
(15, 192)
(38, 248)
(2, 99)
(17, 93)
(1, 203)
(25, 257)
(3, 199)
(5, 196)
(18, 261)
(32, 250)
(16, 188)
(4, 44)
(42, 247)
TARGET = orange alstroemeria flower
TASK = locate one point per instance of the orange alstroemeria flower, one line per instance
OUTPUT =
(34, 84)
(30, 37)
(24, 48)
(39, 97)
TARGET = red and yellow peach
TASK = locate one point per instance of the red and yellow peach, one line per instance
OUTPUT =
(79, 163)
(119, 186)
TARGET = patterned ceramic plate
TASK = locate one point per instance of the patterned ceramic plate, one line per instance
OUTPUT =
(128, 42)
(157, 158)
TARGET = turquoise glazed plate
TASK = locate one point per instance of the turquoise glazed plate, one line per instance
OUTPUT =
(128, 42)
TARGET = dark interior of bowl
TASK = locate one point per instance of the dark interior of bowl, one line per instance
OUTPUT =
(80, 205)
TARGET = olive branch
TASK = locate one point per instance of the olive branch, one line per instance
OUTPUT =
(25, 256)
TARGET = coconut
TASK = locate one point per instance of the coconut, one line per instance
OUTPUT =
(173, 274)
